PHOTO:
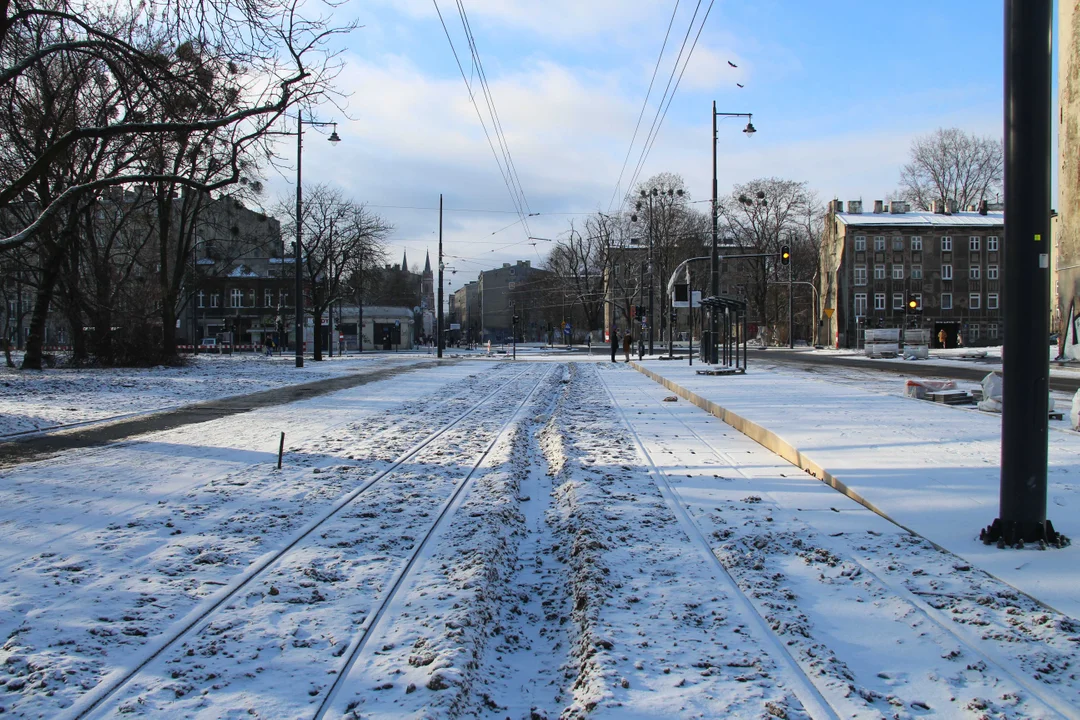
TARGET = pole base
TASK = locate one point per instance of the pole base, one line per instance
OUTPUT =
(1011, 533)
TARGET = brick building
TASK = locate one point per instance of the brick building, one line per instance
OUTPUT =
(949, 262)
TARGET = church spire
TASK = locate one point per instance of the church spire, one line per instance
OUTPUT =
(427, 262)
(404, 262)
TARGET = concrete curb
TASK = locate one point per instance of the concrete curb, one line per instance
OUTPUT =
(771, 441)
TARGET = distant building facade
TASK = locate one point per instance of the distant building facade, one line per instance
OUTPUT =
(949, 262)
(499, 292)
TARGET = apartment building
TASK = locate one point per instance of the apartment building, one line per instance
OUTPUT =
(950, 263)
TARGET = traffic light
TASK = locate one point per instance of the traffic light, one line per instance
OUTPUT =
(913, 305)
(517, 319)
(785, 255)
(674, 315)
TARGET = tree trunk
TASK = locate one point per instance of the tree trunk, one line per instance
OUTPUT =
(35, 342)
(316, 322)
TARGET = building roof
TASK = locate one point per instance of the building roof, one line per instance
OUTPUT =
(923, 219)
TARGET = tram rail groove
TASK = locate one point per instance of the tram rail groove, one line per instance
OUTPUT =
(815, 704)
(10, 560)
(446, 512)
(198, 617)
(1052, 701)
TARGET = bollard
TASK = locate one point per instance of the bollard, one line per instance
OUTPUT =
(280, 449)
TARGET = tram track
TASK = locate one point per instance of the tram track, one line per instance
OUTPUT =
(403, 491)
(763, 581)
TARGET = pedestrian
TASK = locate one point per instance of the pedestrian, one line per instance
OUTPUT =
(626, 344)
(942, 336)
(268, 345)
(959, 340)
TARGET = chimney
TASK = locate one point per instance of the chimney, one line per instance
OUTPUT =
(938, 207)
(898, 207)
(951, 206)
(878, 207)
(855, 207)
(839, 205)
(982, 207)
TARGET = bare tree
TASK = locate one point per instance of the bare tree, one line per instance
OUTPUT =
(950, 164)
(337, 235)
(164, 67)
(761, 217)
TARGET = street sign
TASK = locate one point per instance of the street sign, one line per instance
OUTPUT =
(455, 326)
(695, 298)
(828, 312)
(566, 329)
(681, 296)
(397, 323)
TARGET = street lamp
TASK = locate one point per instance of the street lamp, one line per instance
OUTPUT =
(714, 289)
(334, 140)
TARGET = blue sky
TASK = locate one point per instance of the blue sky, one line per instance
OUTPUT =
(838, 90)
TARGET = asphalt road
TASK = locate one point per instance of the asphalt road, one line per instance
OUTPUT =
(975, 372)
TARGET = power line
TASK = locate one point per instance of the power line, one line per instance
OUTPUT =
(657, 121)
(644, 105)
(472, 99)
(490, 99)
(683, 71)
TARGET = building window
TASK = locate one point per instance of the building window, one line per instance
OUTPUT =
(974, 301)
(897, 243)
(916, 272)
(268, 298)
(283, 298)
(946, 244)
(898, 301)
(991, 270)
(215, 300)
(991, 328)
(992, 244)
(897, 272)
(946, 272)
(973, 331)
(879, 301)
(860, 243)
(991, 301)
(860, 304)
(946, 301)
(236, 298)
(879, 243)
(879, 272)
(973, 243)
(251, 297)
(975, 272)
(202, 299)
(916, 243)
(860, 274)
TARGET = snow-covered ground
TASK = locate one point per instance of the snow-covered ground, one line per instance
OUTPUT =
(534, 540)
(40, 400)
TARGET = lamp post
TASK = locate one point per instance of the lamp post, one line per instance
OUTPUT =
(714, 285)
(334, 140)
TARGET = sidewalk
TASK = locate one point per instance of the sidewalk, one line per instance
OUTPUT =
(931, 468)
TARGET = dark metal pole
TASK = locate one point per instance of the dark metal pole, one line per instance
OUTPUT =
(1025, 361)
(439, 315)
(360, 304)
(651, 273)
(299, 300)
(714, 281)
(329, 285)
(790, 310)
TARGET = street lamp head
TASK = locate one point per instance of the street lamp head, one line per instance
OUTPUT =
(760, 194)
(749, 129)
(334, 138)
(654, 193)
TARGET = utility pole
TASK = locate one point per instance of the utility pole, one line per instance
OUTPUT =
(330, 299)
(1025, 362)
(439, 314)
(790, 308)
(299, 302)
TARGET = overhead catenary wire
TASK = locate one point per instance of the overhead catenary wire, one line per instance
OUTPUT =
(661, 110)
(644, 105)
(472, 98)
(489, 97)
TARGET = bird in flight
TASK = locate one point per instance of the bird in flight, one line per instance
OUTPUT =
(739, 84)
(732, 64)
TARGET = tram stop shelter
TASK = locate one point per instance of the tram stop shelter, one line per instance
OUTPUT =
(730, 313)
